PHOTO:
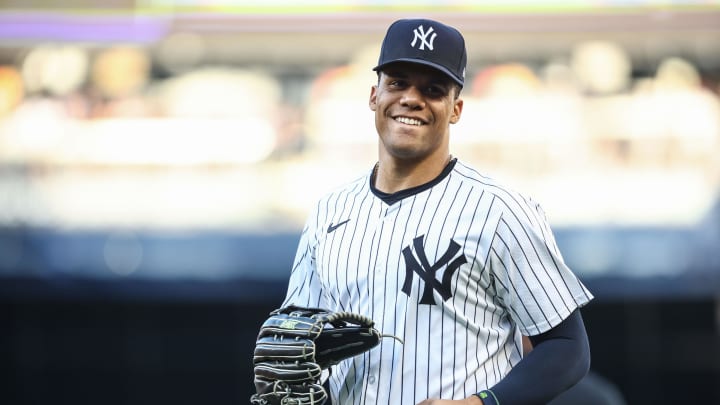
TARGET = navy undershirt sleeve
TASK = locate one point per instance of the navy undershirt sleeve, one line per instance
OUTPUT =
(559, 359)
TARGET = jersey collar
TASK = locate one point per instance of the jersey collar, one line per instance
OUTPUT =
(392, 198)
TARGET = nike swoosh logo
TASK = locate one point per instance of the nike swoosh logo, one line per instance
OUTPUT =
(332, 227)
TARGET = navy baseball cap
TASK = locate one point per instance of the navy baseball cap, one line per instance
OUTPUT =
(426, 42)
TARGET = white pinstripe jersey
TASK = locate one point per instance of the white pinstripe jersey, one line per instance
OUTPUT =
(458, 268)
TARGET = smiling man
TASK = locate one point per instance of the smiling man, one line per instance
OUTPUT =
(414, 106)
(454, 263)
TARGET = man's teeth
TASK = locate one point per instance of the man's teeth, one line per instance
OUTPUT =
(408, 121)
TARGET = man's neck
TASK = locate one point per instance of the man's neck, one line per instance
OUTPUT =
(393, 175)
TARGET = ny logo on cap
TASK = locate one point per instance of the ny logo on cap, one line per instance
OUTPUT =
(423, 37)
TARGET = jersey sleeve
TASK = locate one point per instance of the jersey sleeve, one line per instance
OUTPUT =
(304, 287)
(531, 278)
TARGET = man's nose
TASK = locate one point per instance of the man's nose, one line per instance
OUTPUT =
(413, 98)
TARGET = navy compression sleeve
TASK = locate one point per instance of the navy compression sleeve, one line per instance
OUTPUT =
(559, 359)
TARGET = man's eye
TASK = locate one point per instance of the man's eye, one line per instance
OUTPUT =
(435, 91)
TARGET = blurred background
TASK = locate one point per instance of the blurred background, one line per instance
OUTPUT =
(158, 158)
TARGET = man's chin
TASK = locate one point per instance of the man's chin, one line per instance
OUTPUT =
(408, 154)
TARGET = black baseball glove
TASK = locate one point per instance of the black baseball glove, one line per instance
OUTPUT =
(295, 344)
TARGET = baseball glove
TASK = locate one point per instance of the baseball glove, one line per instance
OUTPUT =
(295, 344)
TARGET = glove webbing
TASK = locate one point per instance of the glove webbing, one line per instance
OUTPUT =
(344, 316)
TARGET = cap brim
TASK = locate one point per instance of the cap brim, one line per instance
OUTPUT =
(456, 79)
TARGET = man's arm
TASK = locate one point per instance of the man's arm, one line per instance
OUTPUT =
(559, 359)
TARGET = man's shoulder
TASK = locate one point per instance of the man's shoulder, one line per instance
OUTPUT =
(503, 190)
(355, 186)
(484, 181)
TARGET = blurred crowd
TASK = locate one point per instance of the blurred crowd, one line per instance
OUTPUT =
(132, 136)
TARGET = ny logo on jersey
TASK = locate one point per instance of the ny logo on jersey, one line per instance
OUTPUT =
(423, 37)
(427, 272)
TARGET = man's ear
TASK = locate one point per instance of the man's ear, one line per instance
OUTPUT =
(373, 98)
(457, 111)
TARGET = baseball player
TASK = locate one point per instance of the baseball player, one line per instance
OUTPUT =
(455, 263)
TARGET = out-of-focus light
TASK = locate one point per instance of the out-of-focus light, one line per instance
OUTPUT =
(123, 253)
(559, 77)
(56, 69)
(189, 141)
(338, 96)
(602, 67)
(517, 121)
(33, 131)
(512, 79)
(120, 71)
(219, 93)
(180, 52)
(11, 89)
(338, 118)
(676, 73)
(674, 105)
(155, 198)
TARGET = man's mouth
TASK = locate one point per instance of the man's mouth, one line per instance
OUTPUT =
(409, 121)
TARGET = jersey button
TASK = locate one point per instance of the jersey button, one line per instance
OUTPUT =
(371, 379)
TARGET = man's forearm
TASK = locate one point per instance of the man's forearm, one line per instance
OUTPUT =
(559, 359)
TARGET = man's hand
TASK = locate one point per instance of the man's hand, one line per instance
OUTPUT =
(471, 400)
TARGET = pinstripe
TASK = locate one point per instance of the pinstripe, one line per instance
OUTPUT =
(556, 250)
(460, 325)
(362, 244)
(355, 194)
(456, 324)
(415, 345)
(485, 269)
(343, 231)
(327, 251)
(383, 312)
(397, 277)
(554, 263)
(362, 238)
(396, 259)
(371, 274)
(507, 287)
(513, 260)
(430, 313)
(512, 278)
(467, 288)
(442, 320)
